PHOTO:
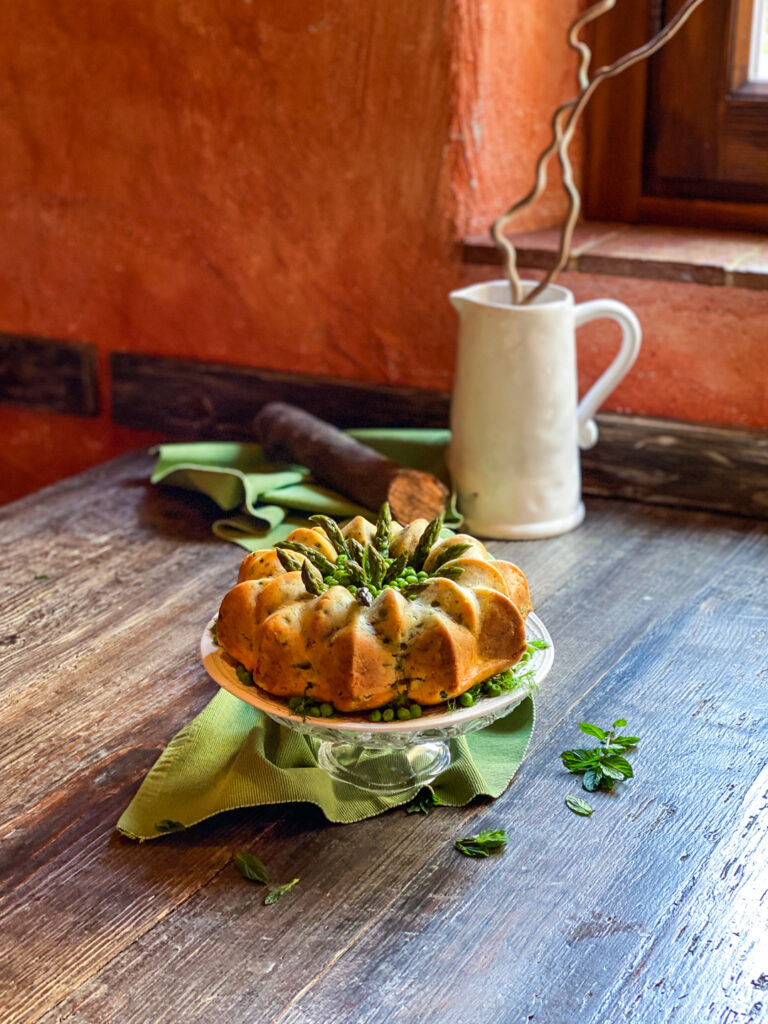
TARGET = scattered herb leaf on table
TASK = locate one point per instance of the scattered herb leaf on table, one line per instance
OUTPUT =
(483, 844)
(251, 868)
(578, 806)
(423, 802)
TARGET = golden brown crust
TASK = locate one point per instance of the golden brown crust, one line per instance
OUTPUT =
(260, 564)
(517, 586)
(431, 646)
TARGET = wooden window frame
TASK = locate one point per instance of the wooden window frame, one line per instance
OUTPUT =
(621, 179)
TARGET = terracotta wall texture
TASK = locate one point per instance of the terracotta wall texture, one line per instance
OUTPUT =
(283, 184)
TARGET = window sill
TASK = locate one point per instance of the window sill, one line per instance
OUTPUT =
(686, 255)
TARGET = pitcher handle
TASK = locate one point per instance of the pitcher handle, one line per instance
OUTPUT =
(631, 336)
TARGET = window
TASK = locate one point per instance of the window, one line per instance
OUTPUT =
(683, 137)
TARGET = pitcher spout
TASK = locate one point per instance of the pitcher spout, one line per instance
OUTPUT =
(460, 298)
(487, 293)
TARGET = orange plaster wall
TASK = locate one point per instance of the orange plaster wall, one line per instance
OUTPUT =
(283, 183)
(225, 180)
(249, 182)
(516, 70)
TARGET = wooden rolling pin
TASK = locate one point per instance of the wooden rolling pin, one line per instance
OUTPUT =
(336, 460)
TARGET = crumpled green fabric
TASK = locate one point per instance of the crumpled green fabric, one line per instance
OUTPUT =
(233, 756)
(268, 498)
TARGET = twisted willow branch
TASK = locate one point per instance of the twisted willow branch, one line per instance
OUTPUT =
(564, 123)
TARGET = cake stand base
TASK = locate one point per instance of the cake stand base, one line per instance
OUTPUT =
(389, 771)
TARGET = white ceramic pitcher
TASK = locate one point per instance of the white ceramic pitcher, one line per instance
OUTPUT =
(516, 422)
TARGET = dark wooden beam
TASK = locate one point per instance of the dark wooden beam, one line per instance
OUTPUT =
(667, 462)
(186, 398)
(48, 375)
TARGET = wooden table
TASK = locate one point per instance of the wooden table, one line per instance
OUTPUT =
(654, 908)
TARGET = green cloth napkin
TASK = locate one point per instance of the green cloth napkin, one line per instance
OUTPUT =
(266, 496)
(232, 756)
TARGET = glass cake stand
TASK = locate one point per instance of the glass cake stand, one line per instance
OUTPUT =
(388, 758)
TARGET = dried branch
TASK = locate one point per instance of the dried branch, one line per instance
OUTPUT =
(564, 123)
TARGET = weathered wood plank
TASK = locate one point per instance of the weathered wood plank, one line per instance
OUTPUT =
(686, 464)
(54, 376)
(580, 903)
(646, 606)
(187, 398)
(727, 947)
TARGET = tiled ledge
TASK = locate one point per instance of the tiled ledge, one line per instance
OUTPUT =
(689, 255)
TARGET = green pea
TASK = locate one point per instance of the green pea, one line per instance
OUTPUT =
(403, 713)
(244, 675)
(375, 716)
(415, 711)
(387, 714)
(295, 703)
(326, 710)
(493, 690)
(423, 575)
(466, 700)
(314, 710)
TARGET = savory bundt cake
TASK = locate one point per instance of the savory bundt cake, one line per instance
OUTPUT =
(362, 617)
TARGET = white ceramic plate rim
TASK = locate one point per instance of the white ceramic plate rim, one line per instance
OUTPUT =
(223, 673)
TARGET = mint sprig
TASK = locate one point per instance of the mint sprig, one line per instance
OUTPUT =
(604, 765)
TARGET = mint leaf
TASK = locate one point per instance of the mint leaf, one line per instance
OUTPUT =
(619, 723)
(626, 741)
(166, 825)
(592, 730)
(578, 761)
(278, 892)
(423, 803)
(619, 764)
(250, 867)
(578, 806)
(592, 780)
(484, 843)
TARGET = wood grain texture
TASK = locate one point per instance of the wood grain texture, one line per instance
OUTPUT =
(654, 907)
(672, 463)
(188, 398)
(55, 376)
(671, 131)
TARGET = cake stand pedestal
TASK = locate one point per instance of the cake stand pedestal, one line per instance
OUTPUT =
(386, 770)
